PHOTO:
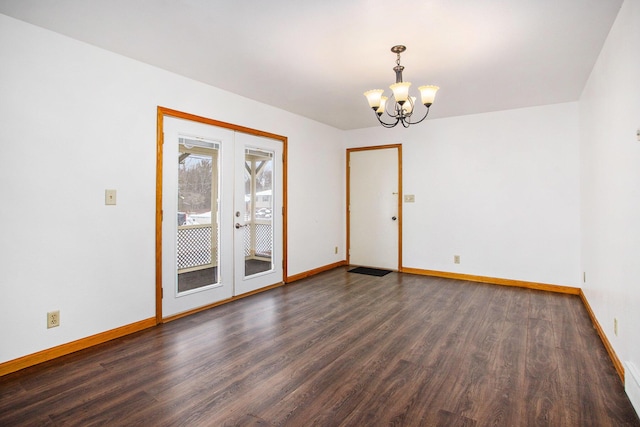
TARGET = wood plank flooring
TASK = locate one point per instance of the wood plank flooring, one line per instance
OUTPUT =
(341, 349)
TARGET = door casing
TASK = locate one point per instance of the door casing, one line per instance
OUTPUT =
(163, 112)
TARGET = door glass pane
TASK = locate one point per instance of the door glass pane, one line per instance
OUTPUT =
(258, 233)
(197, 255)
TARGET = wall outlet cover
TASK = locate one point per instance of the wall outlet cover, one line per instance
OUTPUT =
(53, 319)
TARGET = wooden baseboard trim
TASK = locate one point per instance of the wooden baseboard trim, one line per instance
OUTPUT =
(68, 348)
(71, 347)
(216, 304)
(617, 364)
(494, 281)
(315, 271)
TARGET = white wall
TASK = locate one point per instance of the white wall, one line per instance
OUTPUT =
(76, 120)
(499, 189)
(610, 187)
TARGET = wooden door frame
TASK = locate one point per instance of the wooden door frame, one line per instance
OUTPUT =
(163, 112)
(400, 196)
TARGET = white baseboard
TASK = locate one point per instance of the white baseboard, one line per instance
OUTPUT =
(632, 384)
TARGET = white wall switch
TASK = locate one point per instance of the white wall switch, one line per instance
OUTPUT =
(109, 197)
(409, 198)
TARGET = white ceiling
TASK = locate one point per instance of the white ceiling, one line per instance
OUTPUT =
(316, 58)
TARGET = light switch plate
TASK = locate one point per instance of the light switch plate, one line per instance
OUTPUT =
(109, 197)
(409, 198)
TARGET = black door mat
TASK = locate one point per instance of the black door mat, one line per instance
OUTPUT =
(370, 271)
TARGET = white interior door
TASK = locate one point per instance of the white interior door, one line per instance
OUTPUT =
(373, 208)
(222, 214)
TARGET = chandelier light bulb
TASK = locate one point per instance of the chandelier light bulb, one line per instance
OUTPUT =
(383, 105)
(400, 91)
(408, 106)
(373, 96)
(428, 94)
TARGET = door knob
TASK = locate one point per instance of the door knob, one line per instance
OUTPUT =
(238, 225)
(393, 218)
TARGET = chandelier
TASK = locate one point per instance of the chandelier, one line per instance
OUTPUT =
(403, 104)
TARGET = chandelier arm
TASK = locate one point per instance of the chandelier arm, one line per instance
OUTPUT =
(386, 107)
(385, 124)
(424, 117)
(413, 108)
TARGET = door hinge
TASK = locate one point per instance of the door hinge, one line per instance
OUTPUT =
(161, 293)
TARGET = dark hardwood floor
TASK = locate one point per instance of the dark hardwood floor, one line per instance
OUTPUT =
(341, 349)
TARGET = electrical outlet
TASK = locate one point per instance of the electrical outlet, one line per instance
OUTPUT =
(53, 319)
(456, 259)
(335, 251)
(615, 326)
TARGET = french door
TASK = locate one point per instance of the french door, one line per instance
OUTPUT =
(222, 214)
(258, 213)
